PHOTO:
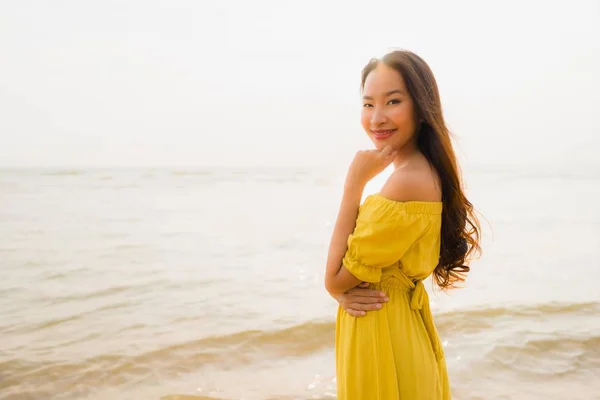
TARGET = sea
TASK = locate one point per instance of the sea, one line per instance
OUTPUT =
(207, 283)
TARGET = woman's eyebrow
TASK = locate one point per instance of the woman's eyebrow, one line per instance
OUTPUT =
(391, 92)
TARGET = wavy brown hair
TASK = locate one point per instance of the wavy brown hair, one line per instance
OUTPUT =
(460, 234)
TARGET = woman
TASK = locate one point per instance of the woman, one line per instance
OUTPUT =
(420, 223)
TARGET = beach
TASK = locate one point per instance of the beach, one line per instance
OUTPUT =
(166, 283)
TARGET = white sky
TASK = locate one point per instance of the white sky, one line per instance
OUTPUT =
(145, 82)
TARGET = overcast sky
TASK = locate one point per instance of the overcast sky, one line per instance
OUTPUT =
(276, 82)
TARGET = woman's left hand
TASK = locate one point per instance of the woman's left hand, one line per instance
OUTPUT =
(360, 299)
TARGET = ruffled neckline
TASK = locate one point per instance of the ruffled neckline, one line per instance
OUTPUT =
(410, 207)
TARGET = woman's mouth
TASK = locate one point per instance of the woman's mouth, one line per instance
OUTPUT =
(382, 134)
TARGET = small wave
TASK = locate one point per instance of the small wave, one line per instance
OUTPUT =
(51, 349)
(228, 351)
(187, 397)
(120, 219)
(258, 174)
(32, 263)
(11, 290)
(85, 295)
(130, 246)
(476, 320)
(130, 186)
(57, 275)
(202, 172)
(549, 357)
(583, 343)
(68, 172)
(59, 321)
(517, 310)
(50, 276)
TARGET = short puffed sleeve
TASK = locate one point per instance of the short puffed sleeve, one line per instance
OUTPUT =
(385, 230)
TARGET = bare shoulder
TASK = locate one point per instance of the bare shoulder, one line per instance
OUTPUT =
(417, 182)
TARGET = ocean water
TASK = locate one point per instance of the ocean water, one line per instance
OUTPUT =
(207, 283)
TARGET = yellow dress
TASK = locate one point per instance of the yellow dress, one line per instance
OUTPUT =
(394, 352)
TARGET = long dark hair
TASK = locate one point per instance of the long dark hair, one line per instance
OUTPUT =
(460, 234)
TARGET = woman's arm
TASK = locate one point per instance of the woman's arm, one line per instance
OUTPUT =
(337, 279)
(365, 166)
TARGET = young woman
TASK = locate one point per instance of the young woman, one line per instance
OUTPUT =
(420, 223)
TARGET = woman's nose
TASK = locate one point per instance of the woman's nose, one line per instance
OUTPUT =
(378, 118)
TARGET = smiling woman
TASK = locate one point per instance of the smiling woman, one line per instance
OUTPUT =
(419, 224)
(383, 122)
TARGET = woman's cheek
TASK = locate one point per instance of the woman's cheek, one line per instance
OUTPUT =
(366, 121)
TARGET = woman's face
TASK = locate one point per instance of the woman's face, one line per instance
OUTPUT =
(388, 113)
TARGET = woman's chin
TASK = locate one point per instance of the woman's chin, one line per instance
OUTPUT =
(377, 144)
(380, 145)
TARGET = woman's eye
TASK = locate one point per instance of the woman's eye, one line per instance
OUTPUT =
(367, 105)
(394, 101)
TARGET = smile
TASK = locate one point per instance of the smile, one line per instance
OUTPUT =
(383, 134)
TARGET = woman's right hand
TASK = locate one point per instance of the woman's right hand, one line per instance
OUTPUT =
(367, 164)
(358, 300)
